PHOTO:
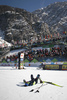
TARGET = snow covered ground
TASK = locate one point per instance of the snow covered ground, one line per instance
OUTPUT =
(11, 84)
(11, 80)
(15, 52)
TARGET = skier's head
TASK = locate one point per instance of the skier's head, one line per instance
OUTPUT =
(24, 81)
(38, 75)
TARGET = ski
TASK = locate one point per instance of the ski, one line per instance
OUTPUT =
(52, 83)
(37, 89)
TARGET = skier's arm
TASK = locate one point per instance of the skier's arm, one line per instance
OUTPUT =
(40, 80)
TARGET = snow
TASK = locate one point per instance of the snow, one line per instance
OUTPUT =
(63, 21)
(42, 8)
(10, 12)
(10, 78)
(2, 41)
(15, 52)
(1, 34)
(44, 13)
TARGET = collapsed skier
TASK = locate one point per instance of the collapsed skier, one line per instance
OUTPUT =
(33, 80)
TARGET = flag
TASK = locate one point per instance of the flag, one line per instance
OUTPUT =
(45, 36)
(54, 34)
(48, 36)
(58, 34)
(64, 32)
(51, 35)
(40, 37)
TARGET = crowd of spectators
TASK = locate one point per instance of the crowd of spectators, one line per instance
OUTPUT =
(45, 52)
(39, 53)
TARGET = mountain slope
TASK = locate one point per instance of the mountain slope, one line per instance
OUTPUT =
(17, 24)
(55, 15)
(17, 21)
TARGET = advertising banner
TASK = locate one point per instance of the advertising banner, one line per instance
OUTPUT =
(55, 67)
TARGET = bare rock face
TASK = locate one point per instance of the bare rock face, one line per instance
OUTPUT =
(55, 15)
(18, 24)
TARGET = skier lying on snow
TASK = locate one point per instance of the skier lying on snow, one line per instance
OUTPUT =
(33, 80)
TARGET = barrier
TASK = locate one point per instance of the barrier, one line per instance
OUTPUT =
(51, 66)
(55, 67)
(8, 64)
(64, 67)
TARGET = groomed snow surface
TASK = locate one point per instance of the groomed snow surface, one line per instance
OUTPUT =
(11, 88)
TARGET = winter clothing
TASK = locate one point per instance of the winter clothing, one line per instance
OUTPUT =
(33, 80)
(38, 78)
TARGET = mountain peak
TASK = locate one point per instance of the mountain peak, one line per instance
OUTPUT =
(24, 25)
(53, 15)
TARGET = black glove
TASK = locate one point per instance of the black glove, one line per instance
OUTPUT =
(41, 81)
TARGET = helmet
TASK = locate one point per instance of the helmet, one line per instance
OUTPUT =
(38, 75)
(31, 75)
(24, 81)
